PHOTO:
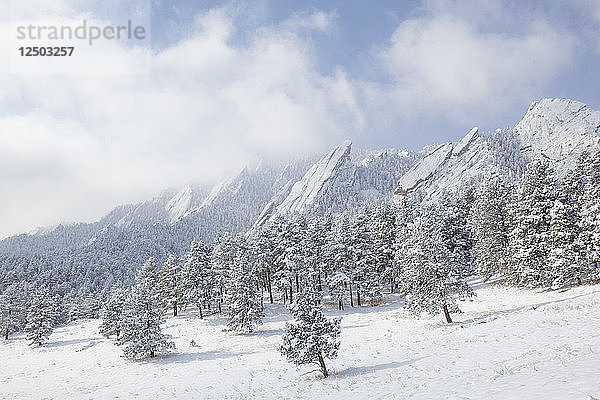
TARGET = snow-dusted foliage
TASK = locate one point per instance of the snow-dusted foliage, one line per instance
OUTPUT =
(141, 332)
(529, 234)
(243, 294)
(113, 312)
(311, 338)
(194, 285)
(488, 225)
(383, 232)
(430, 272)
(590, 214)
(362, 257)
(41, 317)
(169, 284)
(12, 310)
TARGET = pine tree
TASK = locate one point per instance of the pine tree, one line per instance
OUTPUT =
(12, 315)
(339, 261)
(528, 238)
(488, 225)
(431, 278)
(143, 317)
(383, 230)
(113, 312)
(311, 338)
(41, 317)
(363, 260)
(590, 215)
(169, 285)
(313, 246)
(289, 255)
(221, 260)
(243, 294)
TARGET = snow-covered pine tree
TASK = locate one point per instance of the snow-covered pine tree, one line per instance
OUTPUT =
(41, 317)
(590, 215)
(289, 255)
(313, 245)
(529, 216)
(113, 312)
(339, 261)
(310, 338)
(221, 260)
(243, 293)
(12, 311)
(262, 248)
(169, 285)
(431, 278)
(488, 225)
(143, 317)
(383, 231)
(363, 261)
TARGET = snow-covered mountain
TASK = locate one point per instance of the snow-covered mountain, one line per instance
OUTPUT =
(343, 178)
(556, 129)
(338, 181)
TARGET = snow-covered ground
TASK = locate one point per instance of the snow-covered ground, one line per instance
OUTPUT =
(508, 344)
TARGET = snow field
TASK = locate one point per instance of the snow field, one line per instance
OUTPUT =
(508, 344)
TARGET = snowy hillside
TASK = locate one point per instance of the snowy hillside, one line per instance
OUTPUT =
(559, 130)
(508, 344)
(555, 129)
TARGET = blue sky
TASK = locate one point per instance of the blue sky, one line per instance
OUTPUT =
(223, 84)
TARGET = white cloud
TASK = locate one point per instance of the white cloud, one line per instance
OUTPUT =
(452, 60)
(317, 20)
(75, 145)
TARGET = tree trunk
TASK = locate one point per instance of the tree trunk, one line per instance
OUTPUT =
(447, 314)
(351, 299)
(291, 294)
(391, 284)
(269, 286)
(320, 287)
(579, 281)
(200, 310)
(340, 305)
(174, 309)
(358, 298)
(297, 284)
(323, 367)
(6, 334)
(219, 304)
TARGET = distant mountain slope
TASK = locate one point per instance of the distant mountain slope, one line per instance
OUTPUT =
(555, 129)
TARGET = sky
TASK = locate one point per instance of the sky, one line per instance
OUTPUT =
(218, 85)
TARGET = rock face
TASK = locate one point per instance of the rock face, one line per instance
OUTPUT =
(555, 129)
(337, 182)
(559, 130)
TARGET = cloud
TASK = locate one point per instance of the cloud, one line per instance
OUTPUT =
(465, 59)
(316, 20)
(75, 145)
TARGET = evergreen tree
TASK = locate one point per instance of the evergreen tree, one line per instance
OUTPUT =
(311, 338)
(169, 285)
(431, 278)
(41, 317)
(339, 261)
(113, 312)
(488, 225)
(590, 215)
(143, 317)
(383, 230)
(12, 315)
(243, 294)
(528, 238)
(221, 260)
(362, 256)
